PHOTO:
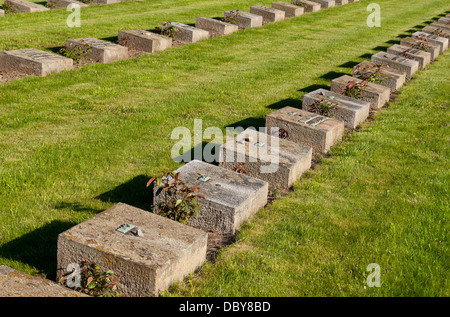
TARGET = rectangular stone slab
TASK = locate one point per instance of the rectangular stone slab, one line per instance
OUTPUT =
(403, 64)
(437, 31)
(445, 26)
(444, 20)
(341, 2)
(325, 4)
(23, 6)
(63, 4)
(375, 94)
(98, 50)
(186, 33)
(309, 6)
(144, 41)
(290, 10)
(102, 2)
(392, 78)
(215, 26)
(306, 128)
(433, 49)
(165, 253)
(243, 20)
(275, 160)
(440, 41)
(230, 198)
(424, 58)
(34, 62)
(350, 110)
(14, 283)
(269, 14)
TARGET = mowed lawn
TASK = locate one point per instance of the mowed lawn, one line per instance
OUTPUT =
(75, 143)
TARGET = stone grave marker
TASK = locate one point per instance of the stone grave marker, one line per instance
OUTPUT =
(63, 4)
(98, 50)
(102, 2)
(186, 33)
(14, 283)
(325, 4)
(424, 58)
(309, 6)
(269, 14)
(406, 65)
(437, 31)
(341, 2)
(230, 198)
(423, 45)
(23, 6)
(214, 26)
(141, 40)
(443, 25)
(34, 62)
(242, 19)
(268, 157)
(350, 110)
(351, 1)
(376, 95)
(306, 128)
(290, 10)
(382, 74)
(440, 41)
(444, 20)
(148, 252)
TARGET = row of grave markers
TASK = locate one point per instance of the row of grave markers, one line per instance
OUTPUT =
(24, 6)
(150, 252)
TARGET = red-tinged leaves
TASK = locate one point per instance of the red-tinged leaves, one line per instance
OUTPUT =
(151, 181)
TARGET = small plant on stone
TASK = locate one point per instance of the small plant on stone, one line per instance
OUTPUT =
(7, 8)
(240, 168)
(76, 53)
(353, 88)
(232, 17)
(179, 200)
(86, 1)
(373, 76)
(283, 134)
(97, 283)
(50, 5)
(322, 107)
(421, 44)
(299, 3)
(167, 30)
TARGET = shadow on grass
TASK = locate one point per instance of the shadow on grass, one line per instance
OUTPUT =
(332, 75)
(207, 152)
(38, 248)
(349, 65)
(134, 193)
(295, 103)
(314, 87)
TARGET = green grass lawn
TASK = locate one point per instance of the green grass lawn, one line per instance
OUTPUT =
(75, 143)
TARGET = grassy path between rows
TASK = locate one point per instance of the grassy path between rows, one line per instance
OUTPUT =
(75, 143)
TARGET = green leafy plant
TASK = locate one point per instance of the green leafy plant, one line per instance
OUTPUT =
(77, 53)
(97, 283)
(300, 3)
(179, 200)
(240, 168)
(167, 30)
(7, 8)
(232, 17)
(421, 44)
(369, 75)
(322, 107)
(353, 88)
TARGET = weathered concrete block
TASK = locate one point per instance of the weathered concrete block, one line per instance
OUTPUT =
(309, 6)
(422, 45)
(290, 10)
(444, 20)
(34, 62)
(144, 41)
(63, 4)
(350, 110)
(165, 253)
(214, 26)
(268, 157)
(437, 31)
(23, 6)
(268, 14)
(98, 50)
(375, 94)
(306, 128)
(409, 66)
(186, 33)
(351, 1)
(443, 25)
(388, 76)
(102, 2)
(230, 198)
(440, 41)
(325, 4)
(18, 284)
(341, 2)
(424, 58)
(242, 19)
